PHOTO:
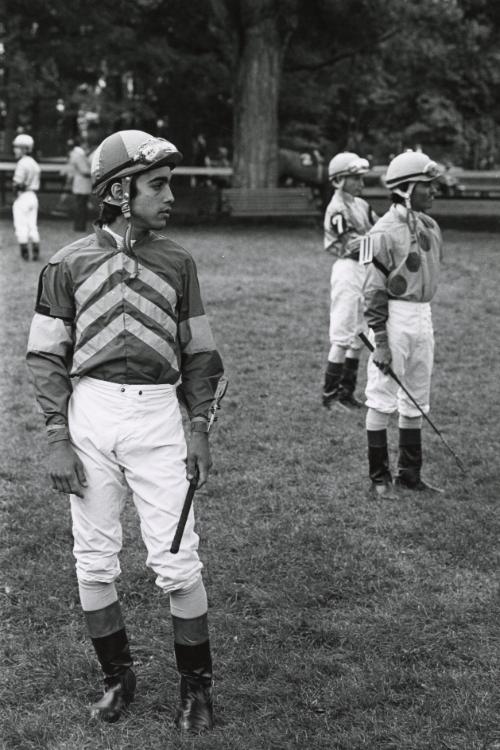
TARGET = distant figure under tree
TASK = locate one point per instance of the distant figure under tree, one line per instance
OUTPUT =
(81, 185)
(200, 158)
(26, 183)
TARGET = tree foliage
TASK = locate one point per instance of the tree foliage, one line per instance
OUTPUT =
(411, 73)
(372, 75)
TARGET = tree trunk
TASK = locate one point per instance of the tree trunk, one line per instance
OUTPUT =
(256, 97)
(10, 126)
(12, 107)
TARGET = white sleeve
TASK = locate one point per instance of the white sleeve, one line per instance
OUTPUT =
(20, 174)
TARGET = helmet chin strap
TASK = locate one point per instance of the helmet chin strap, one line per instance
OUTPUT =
(125, 201)
(411, 218)
(125, 209)
(406, 195)
(338, 183)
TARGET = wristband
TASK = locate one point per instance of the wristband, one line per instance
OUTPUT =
(381, 338)
(200, 426)
(57, 433)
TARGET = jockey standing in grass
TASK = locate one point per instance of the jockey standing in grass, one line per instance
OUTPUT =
(120, 311)
(347, 218)
(26, 183)
(405, 247)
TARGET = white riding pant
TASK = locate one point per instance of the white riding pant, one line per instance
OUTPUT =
(411, 341)
(25, 215)
(130, 436)
(346, 304)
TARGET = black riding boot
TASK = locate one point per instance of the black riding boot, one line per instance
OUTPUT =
(194, 662)
(348, 384)
(111, 645)
(35, 251)
(378, 463)
(333, 376)
(410, 462)
(24, 251)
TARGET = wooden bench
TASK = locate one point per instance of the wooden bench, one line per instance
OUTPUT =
(478, 184)
(269, 202)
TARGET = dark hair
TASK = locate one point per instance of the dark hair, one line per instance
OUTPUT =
(395, 198)
(110, 213)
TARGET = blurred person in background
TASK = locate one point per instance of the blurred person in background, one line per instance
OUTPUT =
(26, 183)
(201, 158)
(347, 218)
(81, 184)
(403, 254)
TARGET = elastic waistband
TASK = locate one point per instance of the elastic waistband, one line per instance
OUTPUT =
(107, 385)
(406, 306)
(353, 256)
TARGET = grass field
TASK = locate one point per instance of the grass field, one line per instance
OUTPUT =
(337, 621)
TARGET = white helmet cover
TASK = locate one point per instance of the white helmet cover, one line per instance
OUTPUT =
(411, 166)
(23, 140)
(346, 164)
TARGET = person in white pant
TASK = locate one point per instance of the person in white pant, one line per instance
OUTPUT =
(403, 255)
(347, 218)
(81, 184)
(120, 312)
(26, 183)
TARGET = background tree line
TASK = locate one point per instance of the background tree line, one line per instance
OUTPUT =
(256, 75)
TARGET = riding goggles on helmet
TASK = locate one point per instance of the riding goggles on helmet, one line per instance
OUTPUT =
(358, 167)
(397, 175)
(432, 170)
(146, 154)
(157, 149)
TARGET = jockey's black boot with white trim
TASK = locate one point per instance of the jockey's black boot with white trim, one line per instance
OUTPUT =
(331, 387)
(410, 462)
(347, 385)
(113, 652)
(378, 464)
(24, 251)
(119, 680)
(194, 661)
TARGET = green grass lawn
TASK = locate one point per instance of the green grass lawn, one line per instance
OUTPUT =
(337, 621)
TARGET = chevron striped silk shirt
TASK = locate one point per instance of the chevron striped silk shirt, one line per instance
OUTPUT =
(126, 319)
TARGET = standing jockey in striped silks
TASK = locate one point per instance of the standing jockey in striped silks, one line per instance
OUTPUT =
(120, 312)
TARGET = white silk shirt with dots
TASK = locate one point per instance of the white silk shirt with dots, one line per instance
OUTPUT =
(407, 251)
